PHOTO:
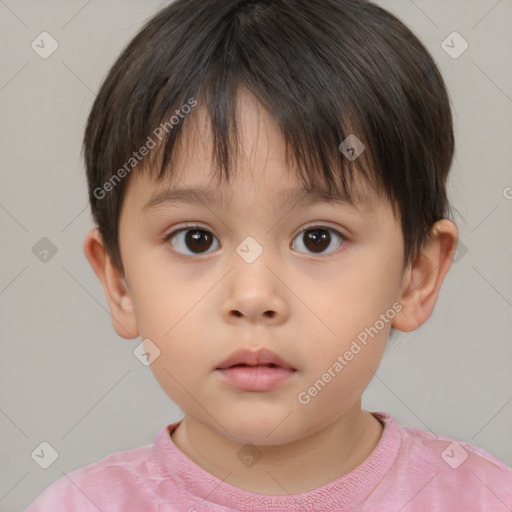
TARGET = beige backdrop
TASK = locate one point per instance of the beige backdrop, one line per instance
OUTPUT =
(66, 378)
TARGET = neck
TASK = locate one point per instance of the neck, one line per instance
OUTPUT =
(328, 454)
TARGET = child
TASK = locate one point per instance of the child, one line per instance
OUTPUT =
(268, 180)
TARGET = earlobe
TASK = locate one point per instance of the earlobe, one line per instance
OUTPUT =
(114, 285)
(424, 276)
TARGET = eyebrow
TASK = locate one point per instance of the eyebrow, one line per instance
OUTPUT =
(288, 199)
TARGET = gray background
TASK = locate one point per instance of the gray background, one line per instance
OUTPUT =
(65, 376)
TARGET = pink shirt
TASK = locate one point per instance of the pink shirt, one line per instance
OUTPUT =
(409, 470)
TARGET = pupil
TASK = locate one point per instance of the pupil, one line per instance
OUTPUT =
(198, 240)
(319, 238)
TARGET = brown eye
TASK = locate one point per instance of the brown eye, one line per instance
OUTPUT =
(318, 239)
(196, 241)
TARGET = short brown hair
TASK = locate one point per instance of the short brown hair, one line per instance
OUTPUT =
(323, 69)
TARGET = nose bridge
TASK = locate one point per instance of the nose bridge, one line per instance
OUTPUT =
(254, 289)
(254, 255)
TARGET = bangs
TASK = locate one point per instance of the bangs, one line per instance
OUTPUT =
(250, 47)
(314, 158)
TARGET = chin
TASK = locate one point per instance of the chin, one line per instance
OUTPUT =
(257, 430)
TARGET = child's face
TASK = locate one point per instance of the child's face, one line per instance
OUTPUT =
(307, 307)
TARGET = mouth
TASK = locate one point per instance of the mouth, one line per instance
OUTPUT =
(255, 371)
(249, 358)
(270, 365)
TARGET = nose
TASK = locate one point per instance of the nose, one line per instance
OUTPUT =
(255, 293)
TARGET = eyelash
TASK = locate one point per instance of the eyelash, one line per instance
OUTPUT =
(197, 227)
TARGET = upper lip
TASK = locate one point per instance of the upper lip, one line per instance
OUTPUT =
(253, 358)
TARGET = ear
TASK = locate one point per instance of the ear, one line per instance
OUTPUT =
(424, 276)
(114, 285)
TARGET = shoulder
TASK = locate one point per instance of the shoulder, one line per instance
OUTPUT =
(450, 453)
(444, 468)
(101, 485)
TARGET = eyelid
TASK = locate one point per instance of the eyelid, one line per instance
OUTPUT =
(186, 226)
(320, 225)
(312, 225)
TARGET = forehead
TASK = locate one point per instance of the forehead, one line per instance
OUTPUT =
(285, 198)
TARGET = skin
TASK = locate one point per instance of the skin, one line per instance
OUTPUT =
(198, 308)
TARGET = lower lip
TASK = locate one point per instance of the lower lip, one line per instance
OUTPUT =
(256, 378)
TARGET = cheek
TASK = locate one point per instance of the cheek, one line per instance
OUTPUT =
(340, 371)
(159, 296)
(356, 300)
(356, 321)
(368, 285)
(168, 310)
